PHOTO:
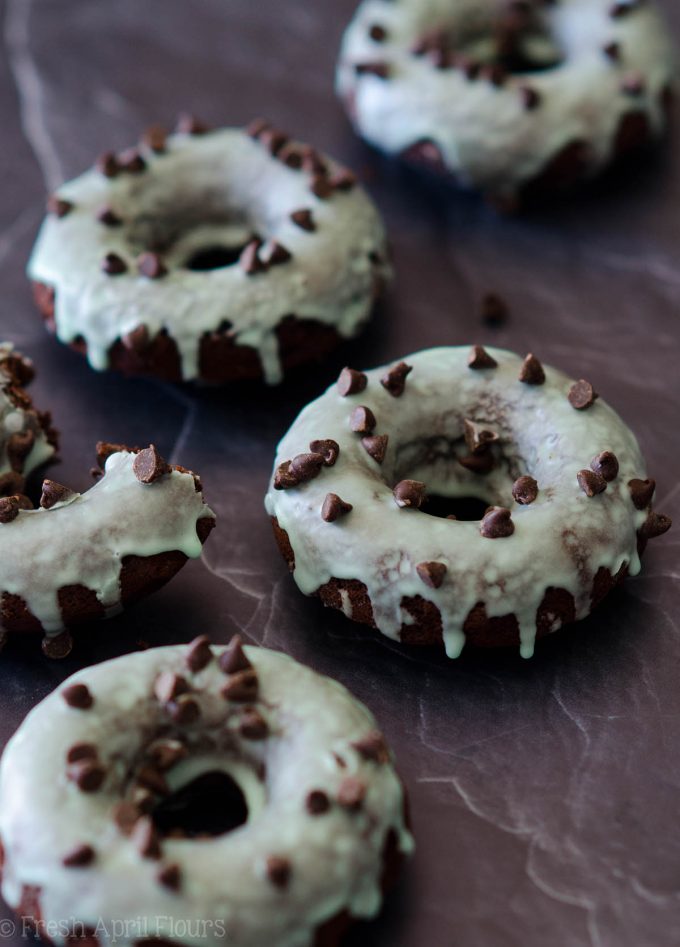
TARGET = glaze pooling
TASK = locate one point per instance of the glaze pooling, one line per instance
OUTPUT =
(560, 540)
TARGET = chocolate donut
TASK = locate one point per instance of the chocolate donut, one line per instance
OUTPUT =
(85, 556)
(209, 255)
(569, 502)
(197, 794)
(508, 95)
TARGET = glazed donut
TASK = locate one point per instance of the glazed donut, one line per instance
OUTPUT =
(506, 95)
(212, 255)
(85, 556)
(27, 438)
(569, 499)
(112, 784)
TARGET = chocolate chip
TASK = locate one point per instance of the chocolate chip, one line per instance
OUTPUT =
(317, 802)
(612, 51)
(252, 725)
(655, 525)
(146, 838)
(328, 449)
(126, 815)
(107, 164)
(151, 265)
(633, 84)
(379, 69)
(255, 128)
(373, 747)
(155, 137)
(343, 180)
(351, 793)
(233, 658)
(9, 509)
(113, 265)
(431, 573)
(277, 254)
(148, 465)
(605, 464)
(81, 751)
(199, 653)
(377, 33)
(303, 219)
(306, 466)
(250, 261)
(351, 382)
(131, 161)
(394, 380)
(590, 482)
(273, 140)
(58, 646)
(291, 156)
(494, 310)
(165, 753)
(532, 372)
(184, 709)
(58, 206)
(375, 446)
(480, 358)
(409, 493)
(137, 340)
(87, 774)
(334, 507)
(170, 876)
(531, 98)
(478, 438)
(53, 493)
(241, 687)
(321, 186)
(278, 870)
(284, 478)
(641, 492)
(168, 686)
(524, 490)
(362, 420)
(109, 217)
(79, 857)
(497, 523)
(582, 395)
(188, 124)
(480, 463)
(78, 696)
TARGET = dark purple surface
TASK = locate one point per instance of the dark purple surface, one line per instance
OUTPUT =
(544, 793)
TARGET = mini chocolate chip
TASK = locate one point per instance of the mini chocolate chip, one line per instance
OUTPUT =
(351, 793)
(351, 382)
(612, 51)
(590, 482)
(151, 778)
(188, 124)
(317, 802)
(362, 420)
(137, 340)
(481, 463)
(478, 438)
(328, 449)
(303, 219)
(250, 261)
(291, 156)
(241, 687)
(641, 492)
(87, 774)
(78, 696)
(146, 838)
(168, 686)
(252, 725)
(255, 128)
(284, 478)
(373, 747)
(497, 523)
(81, 751)
(409, 493)
(58, 206)
(273, 140)
(532, 372)
(79, 857)
(306, 466)
(343, 180)
(582, 395)
(9, 509)
(53, 493)
(379, 69)
(524, 490)
(155, 137)
(605, 464)
(125, 815)
(151, 265)
(321, 186)
(531, 98)
(375, 446)
(199, 653)
(170, 876)
(278, 870)
(494, 311)
(233, 658)
(165, 753)
(377, 33)
(655, 525)
(394, 380)
(131, 161)
(480, 358)
(633, 84)
(113, 265)
(431, 573)
(148, 465)
(109, 217)
(107, 164)
(277, 254)
(334, 507)
(184, 709)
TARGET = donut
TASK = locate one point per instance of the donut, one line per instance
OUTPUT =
(508, 97)
(199, 794)
(561, 503)
(213, 255)
(80, 557)
(27, 438)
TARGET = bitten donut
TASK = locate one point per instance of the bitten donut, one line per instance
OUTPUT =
(506, 95)
(209, 255)
(199, 795)
(569, 500)
(85, 556)
(27, 438)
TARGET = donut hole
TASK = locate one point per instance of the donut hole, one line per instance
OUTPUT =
(212, 804)
(469, 509)
(214, 258)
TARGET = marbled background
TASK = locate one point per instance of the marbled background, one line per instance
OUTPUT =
(545, 793)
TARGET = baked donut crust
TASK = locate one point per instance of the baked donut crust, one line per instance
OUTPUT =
(210, 255)
(326, 825)
(570, 511)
